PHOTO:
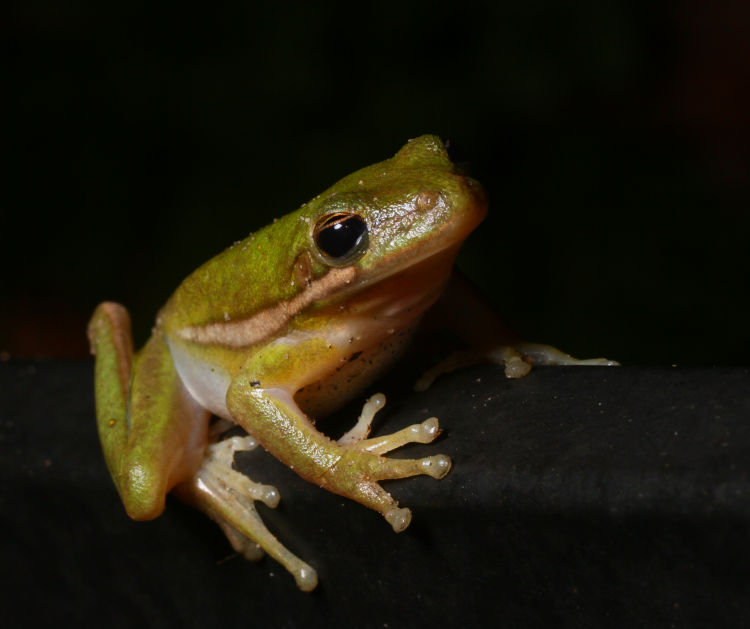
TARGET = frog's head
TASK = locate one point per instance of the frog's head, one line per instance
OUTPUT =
(396, 214)
(382, 239)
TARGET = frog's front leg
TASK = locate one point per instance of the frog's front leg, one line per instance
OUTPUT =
(266, 408)
(515, 359)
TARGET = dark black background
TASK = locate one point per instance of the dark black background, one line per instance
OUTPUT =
(612, 136)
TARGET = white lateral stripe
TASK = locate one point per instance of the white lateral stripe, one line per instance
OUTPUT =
(244, 332)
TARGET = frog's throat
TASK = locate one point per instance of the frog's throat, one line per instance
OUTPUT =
(266, 323)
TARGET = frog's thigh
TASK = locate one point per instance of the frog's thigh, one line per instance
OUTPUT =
(270, 414)
(153, 433)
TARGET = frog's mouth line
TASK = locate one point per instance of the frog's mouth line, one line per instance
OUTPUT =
(264, 324)
(341, 282)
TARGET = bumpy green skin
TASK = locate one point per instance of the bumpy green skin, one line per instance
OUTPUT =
(269, 317)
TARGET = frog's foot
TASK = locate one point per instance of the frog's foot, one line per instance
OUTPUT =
(361, 467)
(516, 359)
(228, 498)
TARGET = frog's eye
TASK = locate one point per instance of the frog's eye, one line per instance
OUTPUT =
(341, 238)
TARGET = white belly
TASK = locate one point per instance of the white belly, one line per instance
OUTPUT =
(207, 383)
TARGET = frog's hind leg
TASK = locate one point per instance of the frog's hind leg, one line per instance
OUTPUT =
(153, 433)
(228, 496)
(112, 344)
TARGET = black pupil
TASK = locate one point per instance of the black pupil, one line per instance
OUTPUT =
(340, 235)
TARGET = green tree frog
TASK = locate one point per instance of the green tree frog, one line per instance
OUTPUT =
(280, 329)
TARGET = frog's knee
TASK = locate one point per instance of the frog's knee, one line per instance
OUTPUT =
(142, 493)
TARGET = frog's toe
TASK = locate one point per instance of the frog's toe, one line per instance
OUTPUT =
(223, 452)
(243, 545)
(399, 518)
(436, 466)
(516, 367)
(426, 432)
(598, 362)
(306, 577)
(358, 474)
(362, 428)
(269, 496)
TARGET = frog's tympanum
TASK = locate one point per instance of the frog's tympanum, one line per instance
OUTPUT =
(280, 329)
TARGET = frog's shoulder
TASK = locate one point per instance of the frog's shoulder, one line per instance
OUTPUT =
(251, 275)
